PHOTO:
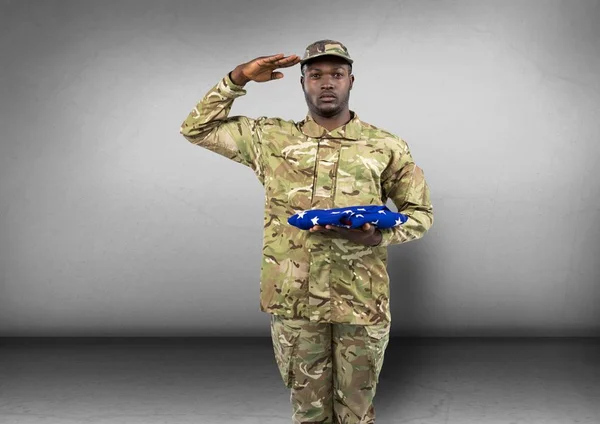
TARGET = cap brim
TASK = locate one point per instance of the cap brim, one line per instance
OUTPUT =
(302, 62)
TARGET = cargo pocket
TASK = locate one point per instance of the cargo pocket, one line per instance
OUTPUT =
(285, 340)
(379, 337)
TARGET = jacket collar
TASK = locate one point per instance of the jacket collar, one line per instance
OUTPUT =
(351, 130)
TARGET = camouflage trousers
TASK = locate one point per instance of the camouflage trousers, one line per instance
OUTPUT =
(332, 369)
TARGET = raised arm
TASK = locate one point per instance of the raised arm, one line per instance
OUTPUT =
(237, 137)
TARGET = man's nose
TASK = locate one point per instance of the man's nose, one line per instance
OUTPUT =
(326, 84)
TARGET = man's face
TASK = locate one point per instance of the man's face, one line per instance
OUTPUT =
(326, 84)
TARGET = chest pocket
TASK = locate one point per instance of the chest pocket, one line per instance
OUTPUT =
(292, 177)
(359, 174)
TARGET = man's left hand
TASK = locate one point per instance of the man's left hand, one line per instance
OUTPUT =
(367, 235)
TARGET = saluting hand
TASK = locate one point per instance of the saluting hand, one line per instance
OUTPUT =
(367, 235)
(262, 69)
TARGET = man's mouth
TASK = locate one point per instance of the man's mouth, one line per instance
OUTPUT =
(327, 97)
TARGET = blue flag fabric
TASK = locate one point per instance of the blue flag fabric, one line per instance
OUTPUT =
(350, 217)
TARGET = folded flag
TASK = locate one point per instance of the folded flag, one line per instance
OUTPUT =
(350, 217)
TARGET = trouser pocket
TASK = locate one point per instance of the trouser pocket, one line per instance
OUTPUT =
(378, 339)
(285, 341)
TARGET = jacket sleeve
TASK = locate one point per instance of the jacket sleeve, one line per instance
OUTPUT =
(236, 137)
(404, 182)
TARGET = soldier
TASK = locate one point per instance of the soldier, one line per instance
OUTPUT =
(327, 289)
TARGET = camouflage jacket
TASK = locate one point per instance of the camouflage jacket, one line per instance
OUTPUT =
(302, 166)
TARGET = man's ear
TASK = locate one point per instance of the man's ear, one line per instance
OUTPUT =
(302, 82)
(351, 81)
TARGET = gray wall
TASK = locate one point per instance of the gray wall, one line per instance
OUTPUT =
(111, 223)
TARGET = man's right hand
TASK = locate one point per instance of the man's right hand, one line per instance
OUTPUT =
(262, 68)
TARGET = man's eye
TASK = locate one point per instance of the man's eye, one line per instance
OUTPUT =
(338, 75)
(315, 76)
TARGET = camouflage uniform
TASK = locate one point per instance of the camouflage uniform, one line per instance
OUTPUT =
(328, 297)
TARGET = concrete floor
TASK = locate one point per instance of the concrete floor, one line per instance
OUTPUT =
(424, 381)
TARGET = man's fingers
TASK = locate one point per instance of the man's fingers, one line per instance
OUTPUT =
(272, 58)
(278, 62)
(287, 61)
(321, 229)
(290, 58)
(275, 59)
(334, 228)
(268, 60)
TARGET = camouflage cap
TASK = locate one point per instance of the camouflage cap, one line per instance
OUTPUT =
(326, 48)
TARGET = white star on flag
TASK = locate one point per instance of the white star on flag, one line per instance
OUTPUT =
(348, 211)
(383, 212)
(335, 213)
(315, 220)
(375, 222)
(359, 215)
(361, 209)
(398, 222)
(301, 214)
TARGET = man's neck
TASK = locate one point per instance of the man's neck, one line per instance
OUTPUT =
(332, 122)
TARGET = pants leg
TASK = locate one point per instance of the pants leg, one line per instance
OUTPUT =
(331, 369)
(358, 353)
(303, 355)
